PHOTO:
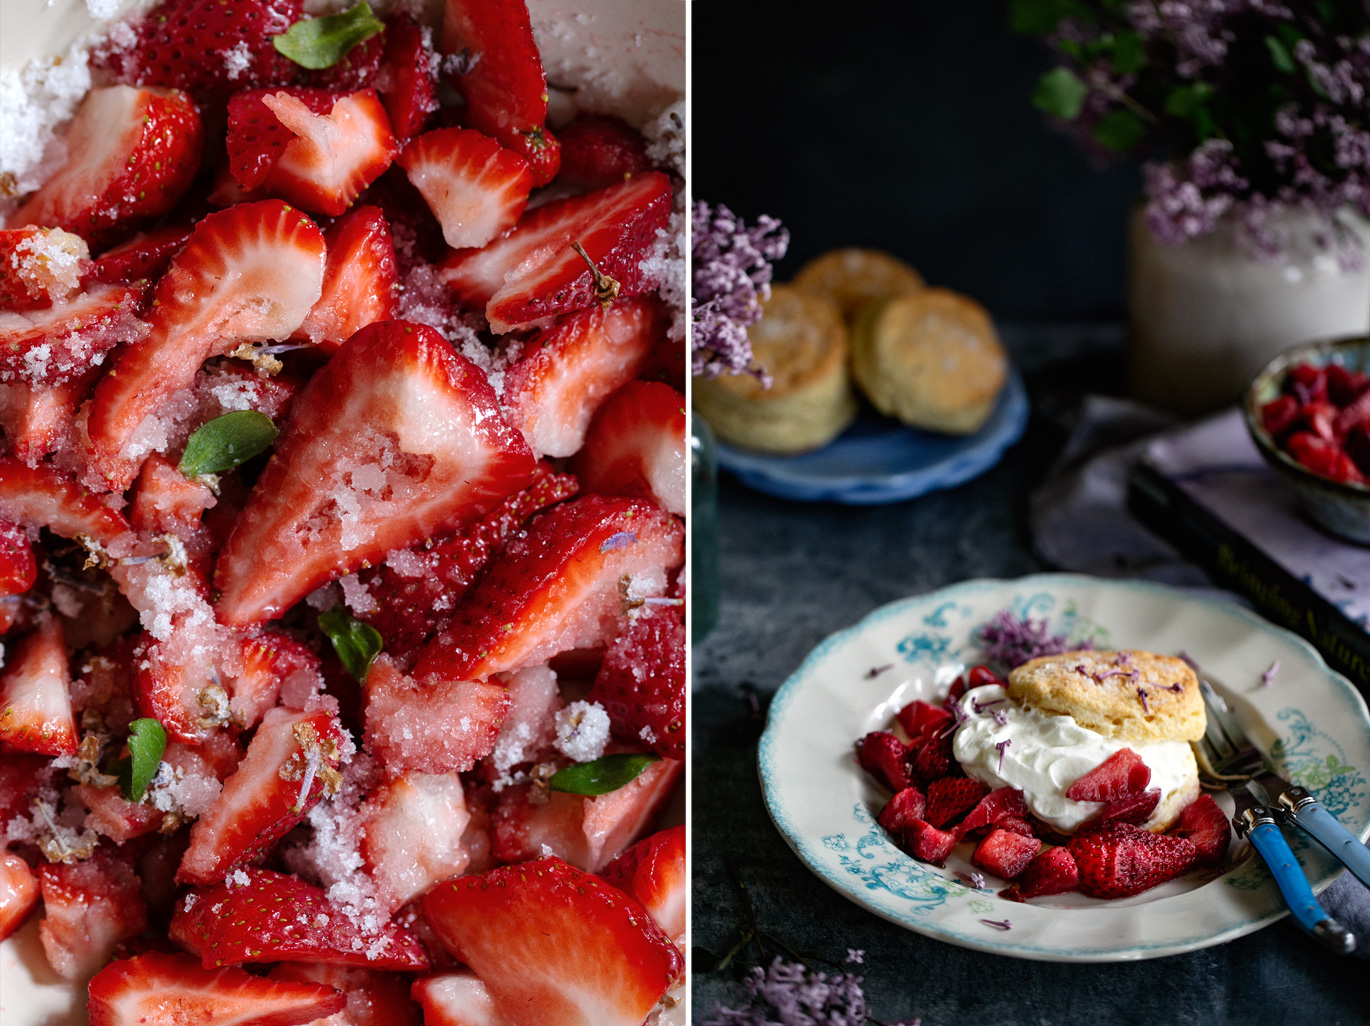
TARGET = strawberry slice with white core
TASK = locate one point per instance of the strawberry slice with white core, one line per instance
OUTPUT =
(571, 368)
(653, 872)
(39, 266)
(131, 153)
(159, 989)
(636, 446)
(395, 439)
(412, 830)
(255, 136)
(562, 586)
(261, 916)
(456, 999)
(535, 271)
(63, 342)
(145, 256)
(165, 501)
(88, 908)
(292, 760)
(475, 187)
(248, 274)
(45, 497)
(334, 156)
(373, 998)
(274, 665)
(18, 892)
(554, 945)
(359, 280)
(38, 420)
(35, 693)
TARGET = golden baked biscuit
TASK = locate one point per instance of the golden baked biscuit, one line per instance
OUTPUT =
(1133, 696)
(802, 343)
(854, 277)
(933, 360)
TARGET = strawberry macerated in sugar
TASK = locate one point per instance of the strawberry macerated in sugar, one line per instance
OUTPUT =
(38, 419)
(412, 829)
(1006, 853)
(1051, 872)
(636, 446)
(653, 871)
(410, 80)
(1122, 774)
(475, 187)
(456, 999)
(65, 342)
(18, 567)
(913, 835)
(641, 682)
(1118, 860)
(88, 908)
(374, 998)
(146, 256)
(919, 718)
(1132, 808)
(554, 945)
(994, 808)
(950, 798)
(256, 138)
(885, 758)
(359, 279)
(39, 266)
(396, 439)
(35, 699)
(18, 892)
(599, 150)
(1206, 827)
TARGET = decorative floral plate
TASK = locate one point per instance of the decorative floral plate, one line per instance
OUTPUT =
(1309, 719)
(878, 460)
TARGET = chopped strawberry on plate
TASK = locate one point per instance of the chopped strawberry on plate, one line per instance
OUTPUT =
(18, 567)
(66, 341)
(410, 88)
(599, 150)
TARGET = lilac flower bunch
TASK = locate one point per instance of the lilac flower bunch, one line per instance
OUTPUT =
(1242, 108)
(1010, 641)
(730, 275)
(791, 994)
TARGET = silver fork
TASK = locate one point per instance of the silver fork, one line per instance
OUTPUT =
(1226, 765)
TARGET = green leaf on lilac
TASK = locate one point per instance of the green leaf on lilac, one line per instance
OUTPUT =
(227, 441)
(318, 43)
(1041, 17)
(356, 643)
(1280, 55)
(1061, 94)
(601, 776)
(146, 743)
(1119, 130)
(1187, 100)
(1128, 53)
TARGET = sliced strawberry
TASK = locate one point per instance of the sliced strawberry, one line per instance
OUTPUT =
(1005, 853)
(435, 724)
(88, 908)
(1206, 827)
(569, 369)
(1123, 773)
(993, 808)
(636, 446)
(410, 77)
(203, 45)
(1132, 808)
(950, 798)
(18, 567)
(1354, 413)
(248, 274)
(417, 589)
(131, 153)
(395, 439)
(165, 501)
(931, 757)
(278, 918)
(65, 341)
(560, 587)
(885, 758)
(256, 138)
(412, 831)
(641, 682)
(21, 776)
(39, 266)
(653, 872)
(555, 945)
(920, 718)
(146, 256)
(1051, 872)
(18, 892)
(179, 686)
(456, 999)
(1323, 457)
(1119, 859)
(160, 989)
(475, 187)
(373, 998)
(292, 759)
(534, 272)
(272, 664)
(39, 420)
(45, 497)
(599, 150)
(920, 839)
(35, 695)
(899, 813)
(359, 280)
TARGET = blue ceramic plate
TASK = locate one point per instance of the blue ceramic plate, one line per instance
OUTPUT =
(877, 460)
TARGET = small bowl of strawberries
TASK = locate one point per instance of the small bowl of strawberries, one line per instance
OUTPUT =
(1308, 411)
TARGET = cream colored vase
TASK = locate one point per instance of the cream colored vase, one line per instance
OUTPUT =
(1205, 316)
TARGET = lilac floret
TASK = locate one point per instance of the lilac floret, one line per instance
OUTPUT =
(1012, 642)
(787, 992)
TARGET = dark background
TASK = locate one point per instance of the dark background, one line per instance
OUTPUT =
(908, 127)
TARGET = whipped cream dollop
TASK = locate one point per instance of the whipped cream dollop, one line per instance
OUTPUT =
(1044, 755)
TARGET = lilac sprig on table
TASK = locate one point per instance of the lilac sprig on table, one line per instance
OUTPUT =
(731, 275)
(792, 994)
(1012, 641)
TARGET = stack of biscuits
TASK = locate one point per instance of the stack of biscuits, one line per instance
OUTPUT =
(858, 319)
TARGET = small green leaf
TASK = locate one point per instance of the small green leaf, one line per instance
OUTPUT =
(601, 776)
(146, 743)
(1041, 17)
(226, 441)
(356, 643)
(318, 43)
(1279, 55)
(1060, 93)
(1119, 130)
(1187, 100)
(1128, 53)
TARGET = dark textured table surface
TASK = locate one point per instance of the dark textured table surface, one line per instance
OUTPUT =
(792, 574)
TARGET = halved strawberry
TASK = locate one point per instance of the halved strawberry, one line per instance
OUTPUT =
(641, 682)
(653, 872)
(1051, 872)
(456, 999)
(18, 892)
(278, 918)
(39, 266)
(1123, 773)
(952, 797)
(412, 829)
(568, 370)
(21, 777)
(35, 696)
(395, 439)
(18, 567)
(39, 420)
(131, 153)
(272, 663)
(178, 685)
(203, 45)
(160, 989)
(1006, 853)
(500, 73)
(359, 280)
(475, 187)
(88, 908)
(1118, 860)
(292, 759)
(535, 272)
(255, 137)
(45, 497)
(599, 150)
(67, 340)
(1206, 827)
(145, 256)
(636, 446)
(248, 274)
(373, 998)
(410, 77)
(560, 587)
(555, 945)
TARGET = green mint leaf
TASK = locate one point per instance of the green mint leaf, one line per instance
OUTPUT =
(146, 743)
(1060, 93)
(356, 643)
(1119, 130)
(602, 775)
(1279, 55)
(226, 441)
(1128, 53)
(318, 43)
